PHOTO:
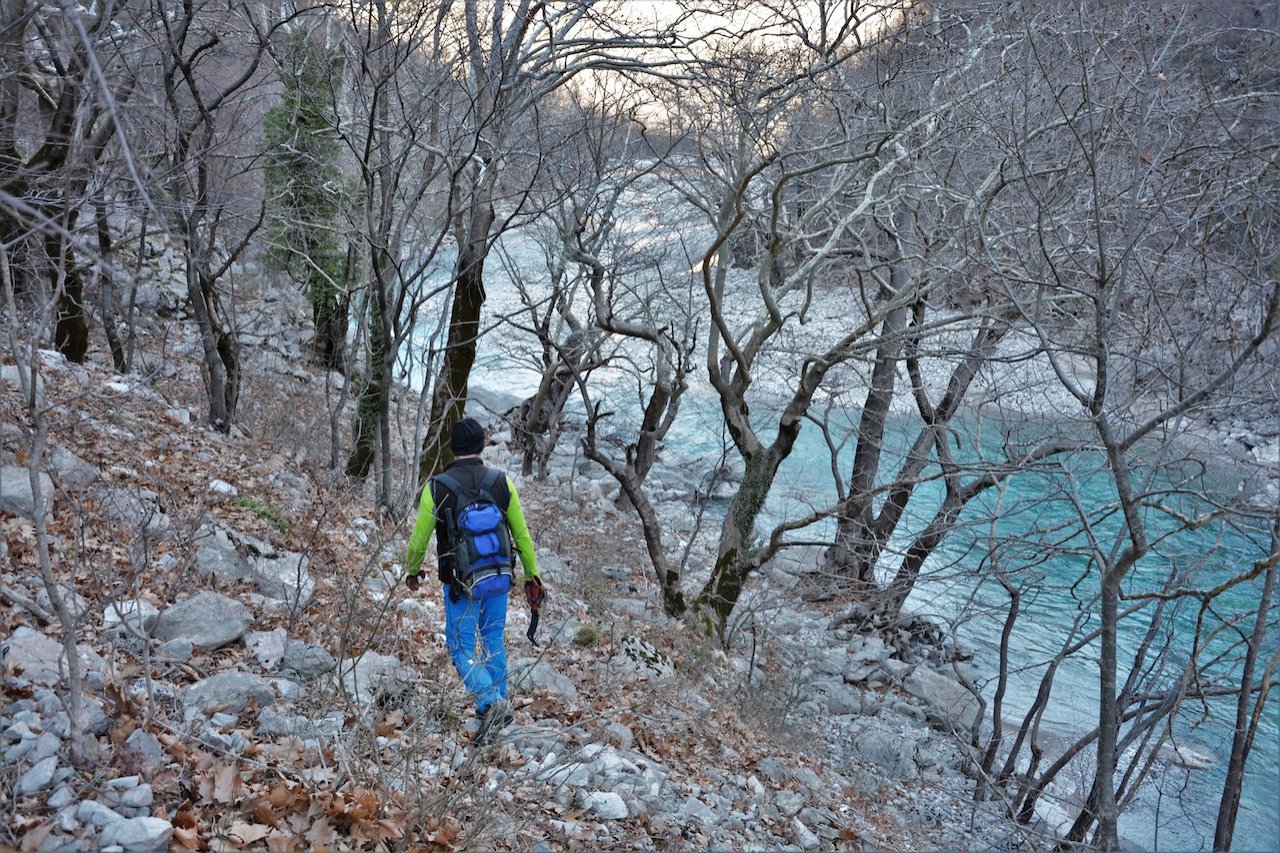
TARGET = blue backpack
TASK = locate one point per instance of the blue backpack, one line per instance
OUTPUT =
(482, 554)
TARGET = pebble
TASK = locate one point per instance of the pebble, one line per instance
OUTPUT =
(38, 777)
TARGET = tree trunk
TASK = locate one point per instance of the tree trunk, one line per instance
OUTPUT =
(856, 549)
(71, 332)
(1245, 729)
(449, 398)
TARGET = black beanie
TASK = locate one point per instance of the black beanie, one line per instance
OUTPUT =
(467, 438)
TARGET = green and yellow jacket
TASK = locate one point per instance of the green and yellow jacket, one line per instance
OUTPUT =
(467, 469)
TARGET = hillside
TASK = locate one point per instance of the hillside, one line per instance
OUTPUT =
(258, 678)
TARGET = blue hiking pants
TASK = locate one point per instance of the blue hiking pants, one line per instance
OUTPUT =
(484, 675)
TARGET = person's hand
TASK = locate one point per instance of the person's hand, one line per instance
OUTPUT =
(412, 582)
(535, 592)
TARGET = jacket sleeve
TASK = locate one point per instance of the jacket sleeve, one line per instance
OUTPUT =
(422, 530)
(520, 533)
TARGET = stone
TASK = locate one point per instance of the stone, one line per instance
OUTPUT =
(139, 510)
(138, 834)
(70, 471)
(137, 614)
(950, 704)
(284, 577)
(96, 814)
(38, 777)
(267, 646)
(217, 556)
(41, 659)
(530, 673)
(789, 802)
(142, 752)
(16, 496)
(372, 677)
(636, 658)
(603, 804)
(306, 661)
(894, 754)
(619, 734)
(804, 836)
(46, 745)
(62, 797)
(207, 619)
(222, 487)
(178, 650)
(228, 691)
(615, 573)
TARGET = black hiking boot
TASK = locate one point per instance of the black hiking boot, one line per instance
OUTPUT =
(495, 718)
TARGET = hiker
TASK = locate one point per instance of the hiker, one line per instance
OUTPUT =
(477, 506)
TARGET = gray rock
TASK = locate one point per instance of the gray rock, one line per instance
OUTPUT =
(305, 660)
(789, 803)
(530, 673)
(70, 471)
(207, 619)
(604, 804)
(638, 659)
(615, 573)
(228, 691)
(178, 650)
(284, 577)
(372, 677)
(139, 834)
(139, 510)
(892, 753)
(217, 556)
(142, 752)
(40, 659)
(950, 704)
(96, 814)
(38, 777)
(77, 605)
(267, 646)
(804, 836)
(16, 497)
(773, 769)
(137, 614)
(64, 796)
(46, 745)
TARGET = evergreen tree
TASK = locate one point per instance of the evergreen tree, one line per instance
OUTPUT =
(304, 190)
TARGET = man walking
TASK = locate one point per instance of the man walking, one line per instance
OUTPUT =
(475, 597)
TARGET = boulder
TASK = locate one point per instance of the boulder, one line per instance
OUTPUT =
(70, 471)
(16, 497)
(139, 510)
(231, 692)
(138, 835)
(372, 677)
(41, 659)
(207, 619)
(38, 777)
(284, 577)
(305, 660)
(636, 658)
(603, 804)
(530, 673)
(139, 615)
(267, 646)
(949, 703)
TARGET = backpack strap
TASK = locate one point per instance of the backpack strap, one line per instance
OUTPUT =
(489, 486)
